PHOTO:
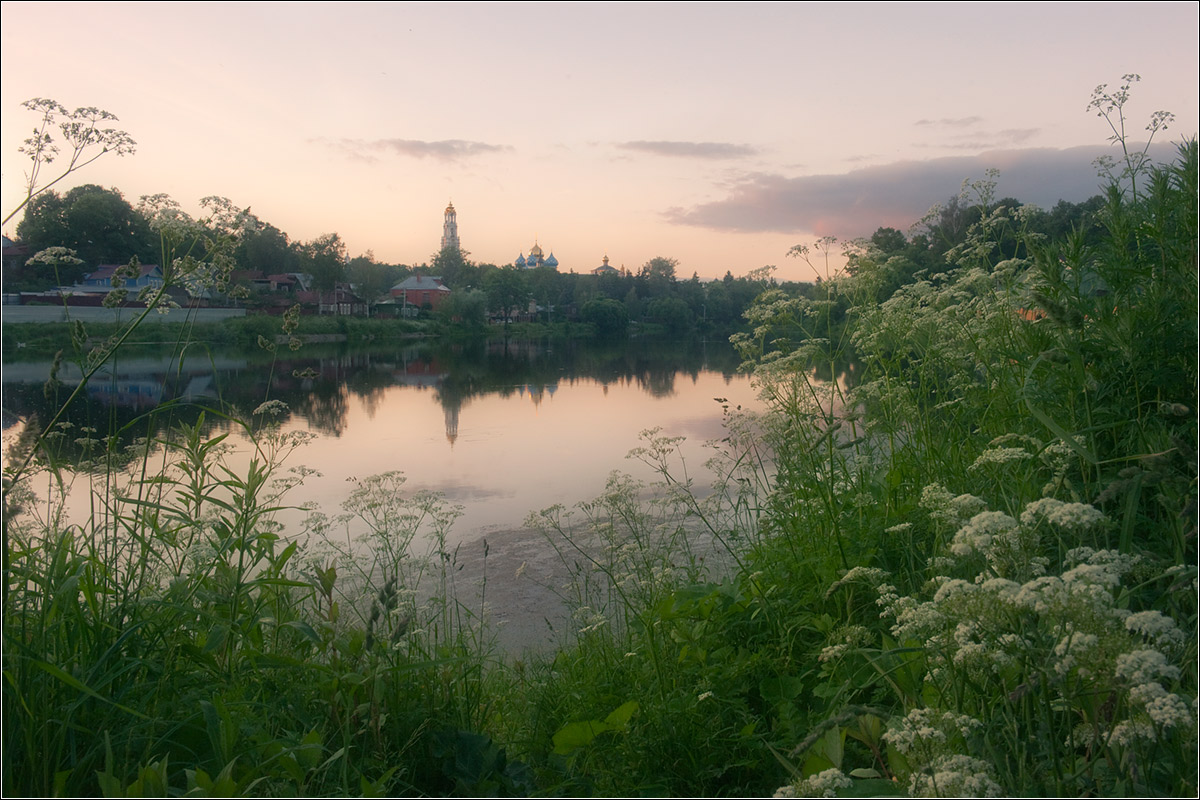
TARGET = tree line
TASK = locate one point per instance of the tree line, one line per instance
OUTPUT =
(102, 227)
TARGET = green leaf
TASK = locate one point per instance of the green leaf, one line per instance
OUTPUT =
(574, 735)
(621, 716)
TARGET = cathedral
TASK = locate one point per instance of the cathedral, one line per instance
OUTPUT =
(536, 259)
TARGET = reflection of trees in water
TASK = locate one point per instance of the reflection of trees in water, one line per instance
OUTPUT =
(317, 381)
(97, 432)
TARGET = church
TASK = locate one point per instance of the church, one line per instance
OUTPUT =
(537, 258)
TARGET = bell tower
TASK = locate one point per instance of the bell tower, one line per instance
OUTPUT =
(450, 229)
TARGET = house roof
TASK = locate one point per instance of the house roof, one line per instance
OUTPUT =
(421, 282)
(105, 271)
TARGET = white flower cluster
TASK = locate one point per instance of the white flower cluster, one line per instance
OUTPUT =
(823, 784)
(843, 640)
(977, 535)
(1156, 628)
(999, 456)
(955, 775)
(928, 730)
(868, 575)
(1073, 517)
(945, 507)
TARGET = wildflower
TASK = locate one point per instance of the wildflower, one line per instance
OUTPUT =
(923, 727)
(1154, 626)
(1164, 709)
(823, 784)
(869, 575)
(1128, 732)
(704, 696)
(999, 456)
(1143, 666)
(271, 407)
(955, 775)
(1067, 516)
(976, 536)
(1071, 646)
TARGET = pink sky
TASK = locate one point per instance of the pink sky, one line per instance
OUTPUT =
(719, 135)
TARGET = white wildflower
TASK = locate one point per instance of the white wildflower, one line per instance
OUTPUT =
(1165, 709)
(823, 784)
(1070, 647)
(272, 407)
(1144, 666)
(1000, 456)
(925, 727)
(976, 536)
(951, 588)
(1156, 627)
(1067, 516)
(955, 775)
(1128, 732)
(868, 575)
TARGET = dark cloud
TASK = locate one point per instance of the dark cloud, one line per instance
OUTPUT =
(444, 150)
(692, 149)
(899, 194)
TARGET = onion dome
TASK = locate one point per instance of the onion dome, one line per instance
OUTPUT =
(535, 252)
(551, 261)
(520, 260)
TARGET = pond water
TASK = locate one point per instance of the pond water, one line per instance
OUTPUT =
(499, 428)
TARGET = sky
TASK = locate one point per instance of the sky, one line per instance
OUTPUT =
(717, 134)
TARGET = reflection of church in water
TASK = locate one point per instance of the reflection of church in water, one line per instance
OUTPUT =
(419, 371)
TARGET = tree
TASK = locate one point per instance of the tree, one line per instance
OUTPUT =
(264, 247)
(672, 313)
(608, 316)
(97, 223)
(80, 133)
(466, 309)
(451, 265)
(506, 291)
(324, 258)
(660, 267)
(369, 278)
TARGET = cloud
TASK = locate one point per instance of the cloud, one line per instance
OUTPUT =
(713, 150)
(898, 194)
(445, 150)
(958, 122)
(980, 141)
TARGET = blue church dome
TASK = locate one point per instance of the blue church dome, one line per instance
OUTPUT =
(551, 261)
(521, 260)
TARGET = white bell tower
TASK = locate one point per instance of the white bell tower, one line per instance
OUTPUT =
(450, 229)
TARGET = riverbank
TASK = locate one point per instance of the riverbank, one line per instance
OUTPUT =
(248, 331)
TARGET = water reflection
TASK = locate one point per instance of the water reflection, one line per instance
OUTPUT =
(502, 427)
